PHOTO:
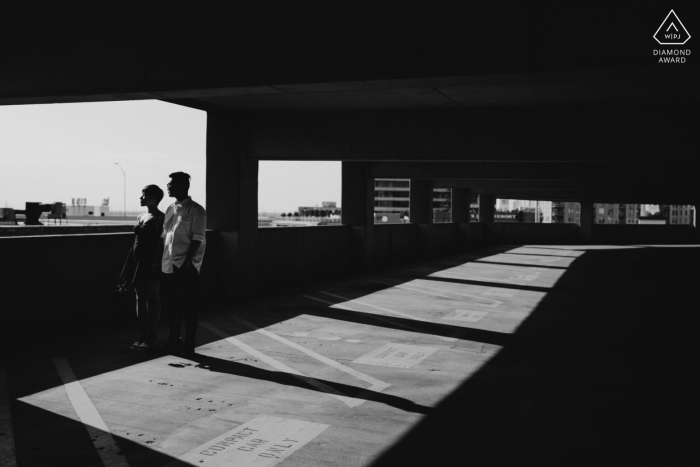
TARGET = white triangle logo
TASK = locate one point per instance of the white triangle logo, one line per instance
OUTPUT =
(671, 31)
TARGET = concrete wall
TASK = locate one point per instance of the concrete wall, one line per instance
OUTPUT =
(477, 234)
(54, 282)
(394, 243)
(542, 234)
(644, 234)
(297, 254)
(444, 238)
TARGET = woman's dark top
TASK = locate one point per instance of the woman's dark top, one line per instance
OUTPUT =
(148, 229)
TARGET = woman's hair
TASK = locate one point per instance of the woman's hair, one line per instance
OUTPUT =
(181, 177)
(153, 191)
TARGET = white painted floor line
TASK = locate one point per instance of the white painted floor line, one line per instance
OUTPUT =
(340, 306)
(7, 439)
(279, 366)
(377, 385)
(376, 307)
(104, 443)
(398, 313)
(490, 303)
(471, 276)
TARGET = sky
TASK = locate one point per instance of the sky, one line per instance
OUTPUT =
(56, 152)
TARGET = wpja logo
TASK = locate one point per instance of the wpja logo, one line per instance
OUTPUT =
(672, 32)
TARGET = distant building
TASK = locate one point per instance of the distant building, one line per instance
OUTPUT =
(83, 210)
(540, 211)
(326, 209)
(392, 195)
(566, 213)
(612, 213)
(681, 214)
(265, 221)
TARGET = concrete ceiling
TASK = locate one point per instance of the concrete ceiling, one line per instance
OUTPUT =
(641, 85)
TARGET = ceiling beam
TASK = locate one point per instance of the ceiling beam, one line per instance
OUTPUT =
(458, 174)
(602, 133)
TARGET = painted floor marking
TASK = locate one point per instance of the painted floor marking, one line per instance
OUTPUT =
(501, 292)
(279, 366)
(261, 442)
(466, 315)
(7, 439)
(471, 276)
(522, 277)
(104, 443)
(397, 355)
(398, 313)
(376, 384)
(480, 300)
(375, 317)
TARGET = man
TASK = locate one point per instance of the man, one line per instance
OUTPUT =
(183, 250)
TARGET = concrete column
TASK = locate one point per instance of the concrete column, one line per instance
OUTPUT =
(461, 215)
(421, 213)
(232, 205)
(487, 209)
(586, 223)
(357, 203)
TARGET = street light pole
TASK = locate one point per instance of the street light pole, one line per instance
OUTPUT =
(120, 166)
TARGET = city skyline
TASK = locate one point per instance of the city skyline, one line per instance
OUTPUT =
(54, 153)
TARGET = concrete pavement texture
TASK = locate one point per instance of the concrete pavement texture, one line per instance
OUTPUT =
(509, 355)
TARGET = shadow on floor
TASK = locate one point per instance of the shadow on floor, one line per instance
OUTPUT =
(608, 382)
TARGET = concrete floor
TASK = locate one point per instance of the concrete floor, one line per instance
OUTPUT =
(521, 355)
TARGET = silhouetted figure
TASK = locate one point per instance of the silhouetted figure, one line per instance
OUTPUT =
(146, 254)
(184, 244)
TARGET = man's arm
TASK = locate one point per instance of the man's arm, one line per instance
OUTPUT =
(194, 248)
(199, 224)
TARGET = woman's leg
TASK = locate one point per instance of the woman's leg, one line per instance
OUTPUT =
(142, 310)
(153, 310)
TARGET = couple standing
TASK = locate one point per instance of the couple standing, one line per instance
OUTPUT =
(168, 247)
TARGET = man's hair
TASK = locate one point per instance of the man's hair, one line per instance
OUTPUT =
(181, 177)
(153, 191)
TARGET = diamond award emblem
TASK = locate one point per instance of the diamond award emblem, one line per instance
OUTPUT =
(671, 31)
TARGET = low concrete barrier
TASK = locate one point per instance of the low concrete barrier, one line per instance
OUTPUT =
(604, 234)
(444, 238)
(477, 234)
(58, 282)
(534, 234)
(33, 230)
(297, 254)
(395, 243)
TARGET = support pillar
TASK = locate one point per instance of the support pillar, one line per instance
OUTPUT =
(461, 215)
(421, 213)
(357, 202)
(586, 223)
(487, 209)
(232, 206)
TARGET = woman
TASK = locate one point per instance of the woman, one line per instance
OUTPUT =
(146, 254)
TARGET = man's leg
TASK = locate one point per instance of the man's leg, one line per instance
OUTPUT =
(154, 306)
(173, 306)
(190, 309)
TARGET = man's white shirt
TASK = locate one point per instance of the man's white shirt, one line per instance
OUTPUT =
(185, 221)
